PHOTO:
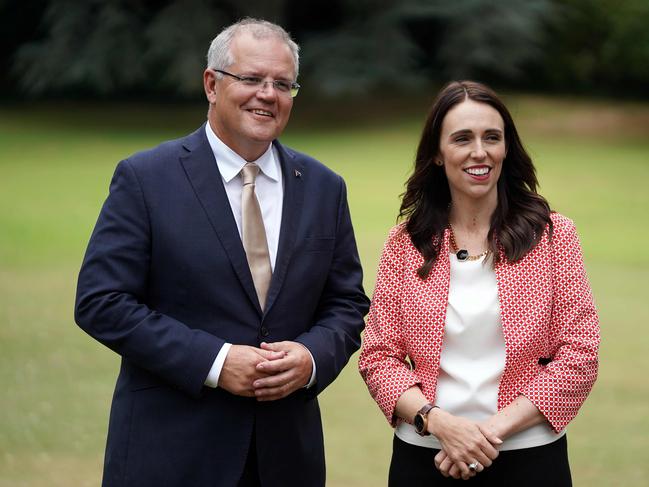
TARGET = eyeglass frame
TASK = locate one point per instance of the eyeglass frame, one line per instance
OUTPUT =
(258, 82)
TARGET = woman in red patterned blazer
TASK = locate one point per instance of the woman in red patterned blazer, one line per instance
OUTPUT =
(482, 339)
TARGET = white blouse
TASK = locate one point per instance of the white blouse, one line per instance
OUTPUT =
(473, 357)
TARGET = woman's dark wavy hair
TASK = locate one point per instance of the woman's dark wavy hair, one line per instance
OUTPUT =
(521, 214)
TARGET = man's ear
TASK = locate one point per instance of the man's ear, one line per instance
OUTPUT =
(209, 85)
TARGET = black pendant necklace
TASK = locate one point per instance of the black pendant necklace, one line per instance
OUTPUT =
(462, 254)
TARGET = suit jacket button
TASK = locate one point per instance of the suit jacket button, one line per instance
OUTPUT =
(264, 331)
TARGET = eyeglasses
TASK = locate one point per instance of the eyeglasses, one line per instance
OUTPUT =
(283, 86)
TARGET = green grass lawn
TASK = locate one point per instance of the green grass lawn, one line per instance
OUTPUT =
(55, 165)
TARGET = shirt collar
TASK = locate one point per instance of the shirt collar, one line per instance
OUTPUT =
(230, 163)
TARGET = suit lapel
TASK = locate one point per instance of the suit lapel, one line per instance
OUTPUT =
(205, 178)
(293, 172)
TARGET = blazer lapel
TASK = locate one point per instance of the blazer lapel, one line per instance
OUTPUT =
(204, 176)
(293, 172)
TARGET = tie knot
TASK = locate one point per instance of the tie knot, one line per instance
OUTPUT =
(249, 173)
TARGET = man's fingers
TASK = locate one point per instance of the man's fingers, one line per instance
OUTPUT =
(275, 366)
(281, 364)
(280, 387)
(273, 381)
(274, 346)
(271, 354)
(297, 363)
(239, 370)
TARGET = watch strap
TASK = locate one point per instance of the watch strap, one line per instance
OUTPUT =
(423, 414)
(426, 409)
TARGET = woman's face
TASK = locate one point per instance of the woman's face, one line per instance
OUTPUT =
(472, 148)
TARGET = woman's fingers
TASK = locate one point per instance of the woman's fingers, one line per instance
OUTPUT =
(439, 458)
(464, 470)
(445, 466)
(464, 444)
(454, 472)
(490, 435)
(486, 454)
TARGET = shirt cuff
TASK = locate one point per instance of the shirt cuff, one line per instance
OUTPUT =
(215, 372)
(312, 379)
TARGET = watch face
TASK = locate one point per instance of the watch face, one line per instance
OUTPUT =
(419, 423)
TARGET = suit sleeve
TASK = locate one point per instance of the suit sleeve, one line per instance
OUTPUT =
(564, 384)
(338, 324)
(382, 362)
(112, 291)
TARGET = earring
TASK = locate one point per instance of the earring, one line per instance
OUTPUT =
(439, 163)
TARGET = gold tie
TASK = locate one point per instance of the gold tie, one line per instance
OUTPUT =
(254, 234)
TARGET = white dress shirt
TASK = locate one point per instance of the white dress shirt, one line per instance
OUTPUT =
(473, 357)
(269, 188)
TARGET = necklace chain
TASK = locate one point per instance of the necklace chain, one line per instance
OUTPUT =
(463, 254)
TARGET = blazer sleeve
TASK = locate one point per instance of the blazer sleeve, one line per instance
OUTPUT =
(112, 291)
(336, 332)
(562, 386)
(382, 362)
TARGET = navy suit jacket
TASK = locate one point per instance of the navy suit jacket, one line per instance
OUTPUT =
(165, 283)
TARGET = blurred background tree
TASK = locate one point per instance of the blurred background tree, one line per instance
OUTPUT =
(136, 47)
(598, 46)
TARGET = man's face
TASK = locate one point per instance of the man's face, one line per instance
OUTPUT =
(247, 119)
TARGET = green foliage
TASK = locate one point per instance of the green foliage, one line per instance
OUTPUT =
(598, 45)
(177, 39)
(478, 38)
(349, 47)
(361, 55)
(91, 45)
(402, 45)
(117, 46)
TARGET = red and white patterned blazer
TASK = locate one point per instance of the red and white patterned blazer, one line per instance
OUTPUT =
(547, 312)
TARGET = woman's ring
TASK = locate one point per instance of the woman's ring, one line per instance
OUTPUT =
(473, 466)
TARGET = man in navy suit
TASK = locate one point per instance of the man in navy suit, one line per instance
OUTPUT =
(221, 368)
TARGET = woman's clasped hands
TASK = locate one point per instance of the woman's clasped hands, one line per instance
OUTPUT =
(468, 447)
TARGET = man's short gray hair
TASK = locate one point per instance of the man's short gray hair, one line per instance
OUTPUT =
(219, 55)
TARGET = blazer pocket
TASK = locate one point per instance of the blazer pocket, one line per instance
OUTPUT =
(141, 380)
(319, 244)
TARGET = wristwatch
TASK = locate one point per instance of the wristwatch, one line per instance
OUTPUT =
(420, 421)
